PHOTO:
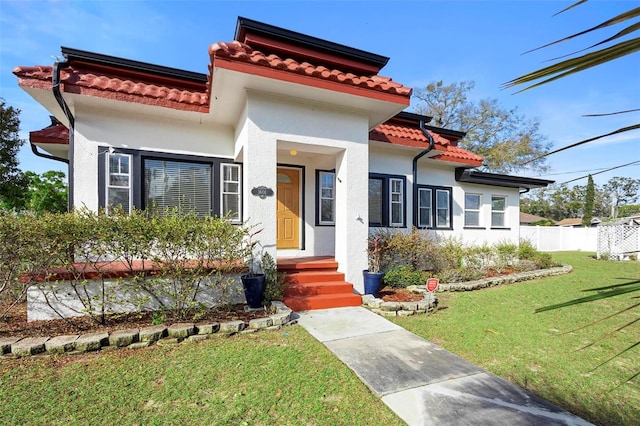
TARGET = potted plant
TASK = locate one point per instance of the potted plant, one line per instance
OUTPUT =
(373, 276)
(253, 282)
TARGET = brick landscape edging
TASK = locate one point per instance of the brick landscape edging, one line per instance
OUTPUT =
(16, 347)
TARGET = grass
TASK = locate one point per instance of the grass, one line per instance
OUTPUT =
(266, 378)
(497, 329)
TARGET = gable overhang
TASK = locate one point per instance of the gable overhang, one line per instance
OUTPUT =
(495, 179)
(232, 79)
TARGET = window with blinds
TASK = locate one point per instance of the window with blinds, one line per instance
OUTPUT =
(177, 184)
(434, 207)
(498, 208)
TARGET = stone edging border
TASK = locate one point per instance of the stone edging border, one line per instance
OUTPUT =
(494, 281)
(11, 347)
(398, 309)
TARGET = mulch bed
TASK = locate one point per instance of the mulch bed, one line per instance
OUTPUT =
(15, 323)
(390, 294)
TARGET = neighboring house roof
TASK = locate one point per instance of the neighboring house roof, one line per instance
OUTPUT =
(576, 221)
(527, 218)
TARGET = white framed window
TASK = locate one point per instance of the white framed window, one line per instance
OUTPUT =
(387, 200)
(326, 198)
(434, 207)
(118, 182)
(472, 204)
(443, 208)
(498, 210)
(396, 191)
(230, 193)
(184, 185)
(425, 211)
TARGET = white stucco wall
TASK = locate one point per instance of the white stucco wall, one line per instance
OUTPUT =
(105, 127)
(339, 139)
(398, 161)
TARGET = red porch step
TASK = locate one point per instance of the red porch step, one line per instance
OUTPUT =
(315, 283)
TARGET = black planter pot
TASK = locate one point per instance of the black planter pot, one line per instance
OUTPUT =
(253, 285)
(372, 282)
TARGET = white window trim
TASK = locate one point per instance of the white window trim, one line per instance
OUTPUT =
(237, 219)
(430, 215)
(108, 180)
(503, 212)
(478, 210)
(448, 208)
(320, 198)
(401, 202)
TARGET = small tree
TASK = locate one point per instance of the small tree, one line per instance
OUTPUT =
(588, 203)
(12, 182)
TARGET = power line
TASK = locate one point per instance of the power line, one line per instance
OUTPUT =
(606, 170)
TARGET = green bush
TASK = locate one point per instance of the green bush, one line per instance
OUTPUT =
(403, 276)
(416, 248)
(275, 284)
(188, 255)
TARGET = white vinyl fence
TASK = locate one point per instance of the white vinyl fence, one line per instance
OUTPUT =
(560, 238)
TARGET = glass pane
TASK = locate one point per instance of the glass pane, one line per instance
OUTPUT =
(118, 197)
(396, 214)
(472, 201)
(119, 180)
(471, 218)
(231, 187)
(171, 184)
(231, 172)
(443, 218)
(327, 180)
(424, 217)
(327, 193)
(375, 201)
(396, 198)
(442, 200)
(498, 203)
(425, 197)
(326, 210)
(231, 206)
(497, 219)
(282, 178)
(396, 185)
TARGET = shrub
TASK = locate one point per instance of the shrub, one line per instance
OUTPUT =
(403, 276)
(448, 255)
(275, 284)
(416, 249)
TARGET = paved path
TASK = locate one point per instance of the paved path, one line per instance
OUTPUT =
(421, 382)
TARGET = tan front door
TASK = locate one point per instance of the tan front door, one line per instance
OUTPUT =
(288, 213)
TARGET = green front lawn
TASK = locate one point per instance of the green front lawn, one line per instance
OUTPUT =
(267, 378)
(497, 329)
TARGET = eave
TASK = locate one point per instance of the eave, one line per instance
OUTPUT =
(494, 179)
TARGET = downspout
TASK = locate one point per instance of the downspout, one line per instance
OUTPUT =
(432, 142)
(37, 153)
(55, 86)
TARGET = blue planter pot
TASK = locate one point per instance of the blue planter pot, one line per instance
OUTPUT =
(372, 282)
(253, 286)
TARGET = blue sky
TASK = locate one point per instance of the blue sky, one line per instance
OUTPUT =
(451, 41)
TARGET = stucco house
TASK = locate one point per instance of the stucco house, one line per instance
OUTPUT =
(297, 134)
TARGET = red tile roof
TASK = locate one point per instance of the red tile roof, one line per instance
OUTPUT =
(55, 133)
(240, 52)
(405, 135)
(110, 85)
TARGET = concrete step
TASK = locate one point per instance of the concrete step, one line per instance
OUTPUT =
(317, 288)
(313, 276)
(317, 263)
(323, 301)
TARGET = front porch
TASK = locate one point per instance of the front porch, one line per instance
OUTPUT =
(315, 283)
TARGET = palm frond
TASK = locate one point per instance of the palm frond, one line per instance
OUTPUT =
(599, 320)
(574, 65)
(611, 333)
(615, 132)
(578, 3)
(630, 29)
(630, 14)
(612, 113)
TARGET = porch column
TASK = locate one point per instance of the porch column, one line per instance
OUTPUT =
(259, 184)
(352, 212)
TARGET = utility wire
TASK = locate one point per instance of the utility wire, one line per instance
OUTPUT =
(606, 170)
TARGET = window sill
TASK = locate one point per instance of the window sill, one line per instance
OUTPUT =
(501, 228)
(325, 224)
(482, 228)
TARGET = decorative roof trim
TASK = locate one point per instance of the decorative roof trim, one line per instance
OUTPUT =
(245, 26)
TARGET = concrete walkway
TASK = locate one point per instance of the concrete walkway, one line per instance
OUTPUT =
(421, 382)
